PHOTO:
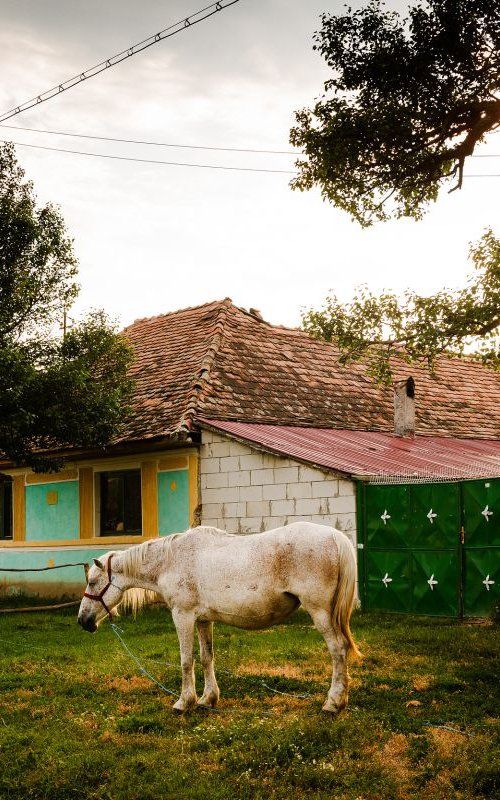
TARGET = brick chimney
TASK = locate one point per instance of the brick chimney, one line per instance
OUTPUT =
(404, 407)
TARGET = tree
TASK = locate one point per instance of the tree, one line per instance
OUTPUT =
(414, 329)
(55, 391)
(408, 102)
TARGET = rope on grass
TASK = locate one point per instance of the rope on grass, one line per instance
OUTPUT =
(303, 696)
(444, 727)
(118, 631)
(248, 678)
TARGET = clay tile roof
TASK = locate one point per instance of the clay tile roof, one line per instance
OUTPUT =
(221, 362)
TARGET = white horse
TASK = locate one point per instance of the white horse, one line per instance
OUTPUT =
(206, 575)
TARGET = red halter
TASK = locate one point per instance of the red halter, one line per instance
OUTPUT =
(101, 595)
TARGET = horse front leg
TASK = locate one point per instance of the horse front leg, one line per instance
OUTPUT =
(184, 625)
(205, 638)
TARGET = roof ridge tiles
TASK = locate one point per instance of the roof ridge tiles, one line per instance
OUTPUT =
(202, 376)
(178, 312)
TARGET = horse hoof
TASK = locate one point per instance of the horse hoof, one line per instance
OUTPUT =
(333, 708)
(208, 702)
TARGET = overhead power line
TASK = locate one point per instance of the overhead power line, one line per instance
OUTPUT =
(148, 142)
(177, 163)
(172, 30)
(154, 144)
(149, 160)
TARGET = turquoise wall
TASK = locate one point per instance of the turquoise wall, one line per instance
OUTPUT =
(45, 522)
(35, 558)
(173, 502)
(52, 582)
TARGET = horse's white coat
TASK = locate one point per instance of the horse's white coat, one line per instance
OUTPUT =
(206, 575)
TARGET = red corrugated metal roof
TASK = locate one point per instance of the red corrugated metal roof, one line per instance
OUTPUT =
(373, 454)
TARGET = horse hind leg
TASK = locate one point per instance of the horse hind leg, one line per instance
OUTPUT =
(337, 647)
(211, 693)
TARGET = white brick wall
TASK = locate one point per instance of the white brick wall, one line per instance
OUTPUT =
(245, 491)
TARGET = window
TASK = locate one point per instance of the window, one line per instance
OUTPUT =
(5, 509)
(120, 502)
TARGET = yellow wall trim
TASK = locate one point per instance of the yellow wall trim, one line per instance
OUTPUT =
(19, 509)
(193, 480)
(86, 495)
(100, 541)
(149, 487)
(52, 477)
(166, 464)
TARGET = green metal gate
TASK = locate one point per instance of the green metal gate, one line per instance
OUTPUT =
(430, 548)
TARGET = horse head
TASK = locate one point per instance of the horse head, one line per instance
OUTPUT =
(105, 588)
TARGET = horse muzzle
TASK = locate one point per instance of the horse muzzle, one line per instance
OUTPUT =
(88, 623)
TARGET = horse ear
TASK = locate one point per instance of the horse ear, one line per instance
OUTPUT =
(99, 564)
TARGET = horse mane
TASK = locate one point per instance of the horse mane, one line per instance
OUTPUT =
(154, 554)
(134, 600)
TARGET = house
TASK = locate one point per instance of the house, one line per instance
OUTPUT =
(247, 426)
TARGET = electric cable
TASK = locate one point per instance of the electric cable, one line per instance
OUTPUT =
(180, 163)
(166, 33)
(150, 143)
(153, 144)
(149, 160)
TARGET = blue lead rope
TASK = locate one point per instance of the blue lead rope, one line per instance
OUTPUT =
(118, 631)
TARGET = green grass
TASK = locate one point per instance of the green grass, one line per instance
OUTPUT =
(78, 720)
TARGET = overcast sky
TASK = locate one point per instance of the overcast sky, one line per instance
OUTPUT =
(151, 238)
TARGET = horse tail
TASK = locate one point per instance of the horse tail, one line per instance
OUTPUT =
(345, 591)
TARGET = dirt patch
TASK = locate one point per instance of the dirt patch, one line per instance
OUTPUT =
(393, 755)
(440, 787)
(28, 693)
(288, 703)
(125, 708)
(445, 742)
(89, 723)
(210, 766)
(128, 684)
(111, 737)
(262, 668)
(421, 682)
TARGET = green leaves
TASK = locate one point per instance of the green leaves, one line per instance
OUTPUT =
(407, 103)
(37, 264)
(414, 329)
(54, 392)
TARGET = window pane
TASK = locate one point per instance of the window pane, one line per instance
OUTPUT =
(6, 510)
(132, 501)
(121, 502)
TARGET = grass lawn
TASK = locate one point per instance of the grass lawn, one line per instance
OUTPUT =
(77, 719)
